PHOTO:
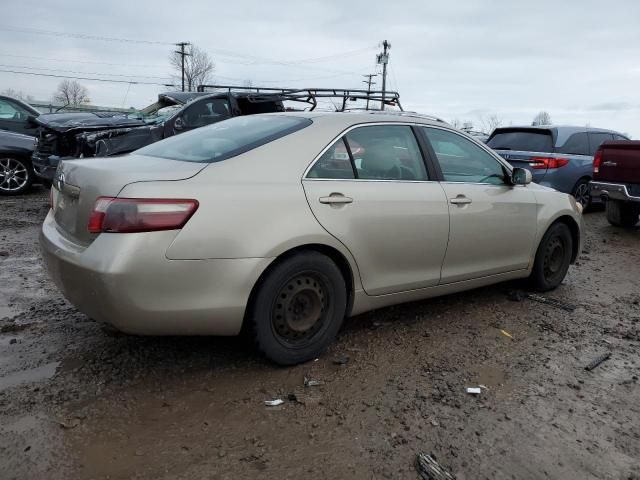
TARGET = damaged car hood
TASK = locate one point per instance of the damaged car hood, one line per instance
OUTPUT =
(65, 122)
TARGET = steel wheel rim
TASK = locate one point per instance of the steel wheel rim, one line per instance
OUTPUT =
(554, 257)
(582, 194)
(300, 309)
(13, 175)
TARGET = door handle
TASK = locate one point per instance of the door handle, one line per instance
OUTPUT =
(335, 198)
(460, 200)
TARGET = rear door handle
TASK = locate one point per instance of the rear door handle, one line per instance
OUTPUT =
(335, 198)
(460, 200)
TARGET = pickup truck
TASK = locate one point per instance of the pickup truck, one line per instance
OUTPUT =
(616, 180)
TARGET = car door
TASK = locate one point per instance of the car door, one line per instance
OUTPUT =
(370, 189)
(14, 118)
(492, 223)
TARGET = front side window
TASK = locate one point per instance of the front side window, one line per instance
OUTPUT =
(462, 160)
(225, 139)
(12, 112)
(206, 112)
(386, 152)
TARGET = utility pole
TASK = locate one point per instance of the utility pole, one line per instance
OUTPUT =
(369, 82)
(182, 55)
(383, 58)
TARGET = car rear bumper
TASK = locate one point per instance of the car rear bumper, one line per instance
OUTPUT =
(614, 191)
(127, 281)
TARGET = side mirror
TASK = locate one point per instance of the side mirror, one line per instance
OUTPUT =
(521, 176)
(178, 123)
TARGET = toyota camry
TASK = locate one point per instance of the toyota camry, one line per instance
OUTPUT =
(285, 224)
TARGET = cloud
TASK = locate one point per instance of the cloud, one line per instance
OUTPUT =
(460, 59)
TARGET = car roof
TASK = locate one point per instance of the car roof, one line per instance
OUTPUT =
(348, 118)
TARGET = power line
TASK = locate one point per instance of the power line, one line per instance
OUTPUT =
(249, 59)
(80, 35)
(135, 82)
(66, 60)
(83, 73)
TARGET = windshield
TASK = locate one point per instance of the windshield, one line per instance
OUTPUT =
(225, 139)
(523, 140)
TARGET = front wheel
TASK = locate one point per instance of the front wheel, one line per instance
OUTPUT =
(299, 308)
(622, 214)
(552, 258)
(16, 176)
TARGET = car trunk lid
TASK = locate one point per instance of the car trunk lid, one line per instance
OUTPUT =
(78, 183)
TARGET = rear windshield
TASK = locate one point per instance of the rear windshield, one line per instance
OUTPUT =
(524, 140)
(225, 139)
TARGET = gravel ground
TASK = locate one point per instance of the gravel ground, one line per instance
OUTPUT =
(79, 400)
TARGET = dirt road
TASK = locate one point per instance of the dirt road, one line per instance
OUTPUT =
(78, 400)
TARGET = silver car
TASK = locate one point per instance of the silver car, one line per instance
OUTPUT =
(286, 224)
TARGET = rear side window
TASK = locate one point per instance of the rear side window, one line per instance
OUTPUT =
(335, 163)
(386, 152)
(620, 137)
(596, 139)
(576, 144)
(524, 140)
(225, 139)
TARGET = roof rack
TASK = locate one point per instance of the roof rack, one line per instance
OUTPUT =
(308, 95)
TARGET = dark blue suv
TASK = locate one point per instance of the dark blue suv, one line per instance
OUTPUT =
(559, 157)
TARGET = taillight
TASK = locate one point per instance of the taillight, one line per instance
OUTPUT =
(547, 162)
(597, 160)
(128, 215)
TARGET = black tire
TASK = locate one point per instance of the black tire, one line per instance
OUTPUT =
(622, 214)
(298, 308)
(16, 176)
(581, 193)
(552, 258)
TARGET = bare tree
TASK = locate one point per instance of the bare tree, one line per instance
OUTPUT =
(71, 94)
(542, 118)
(198, 67)
(490, 123)
(19, 94)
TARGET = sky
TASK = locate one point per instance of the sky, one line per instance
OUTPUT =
(463, 59)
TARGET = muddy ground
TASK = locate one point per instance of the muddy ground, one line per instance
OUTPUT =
(78, 400)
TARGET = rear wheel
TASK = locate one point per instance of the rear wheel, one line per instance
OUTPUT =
(581, 193)
(552, 258)
(16, 176)
(299, 308)
(622, 214)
